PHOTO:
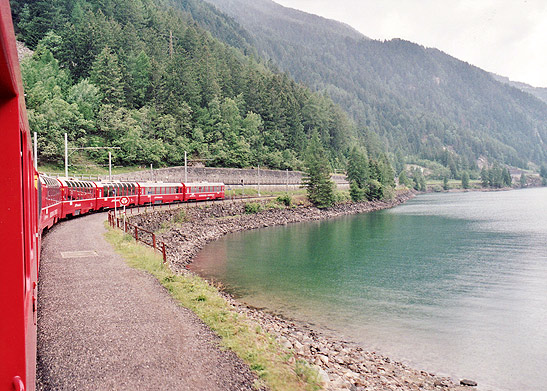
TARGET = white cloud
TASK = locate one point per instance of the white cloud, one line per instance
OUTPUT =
(508, 37)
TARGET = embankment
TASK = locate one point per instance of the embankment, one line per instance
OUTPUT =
(342, 365)
(187, 230)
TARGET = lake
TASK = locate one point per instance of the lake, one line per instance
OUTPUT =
(452, 283)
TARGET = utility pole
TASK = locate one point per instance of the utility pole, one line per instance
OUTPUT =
(36, 151)
(287, 178)
(87, 148)
(171, 43)
(185, 168)
(259, 181)
(66, 155)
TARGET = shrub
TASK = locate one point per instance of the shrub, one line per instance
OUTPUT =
(253, 207)
(284, 200)
(180, 217)
(356, 193)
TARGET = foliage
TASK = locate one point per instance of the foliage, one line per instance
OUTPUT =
(253, 207)
(419, 101)
(319, 186)
(274, 365)
(403, 179)
(465, 180)
(496, 177)
(284, 199)
(445, 183)
(418, 179)
(356, 193)
(523, 180)
(143, 76)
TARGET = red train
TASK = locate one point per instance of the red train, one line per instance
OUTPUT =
(18, 223)
(62, 198)
(36, 202)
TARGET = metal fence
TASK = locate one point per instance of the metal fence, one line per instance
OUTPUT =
(140, 234)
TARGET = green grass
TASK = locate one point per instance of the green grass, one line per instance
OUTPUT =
(276, 367)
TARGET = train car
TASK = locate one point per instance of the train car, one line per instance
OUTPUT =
(108, 194)
(160, 193)
(203, 191)
(50, 201)
(19, 220)
(79, 197)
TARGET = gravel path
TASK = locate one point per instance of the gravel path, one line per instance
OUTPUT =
(105, 326)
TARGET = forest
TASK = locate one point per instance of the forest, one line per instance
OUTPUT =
(141, 75)
(423, 104)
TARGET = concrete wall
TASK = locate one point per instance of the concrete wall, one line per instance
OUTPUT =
(229, 176)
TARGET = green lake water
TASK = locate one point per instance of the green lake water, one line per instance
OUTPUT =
(452, 283)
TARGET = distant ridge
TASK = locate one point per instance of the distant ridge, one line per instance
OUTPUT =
(422, 102)
(538, 92)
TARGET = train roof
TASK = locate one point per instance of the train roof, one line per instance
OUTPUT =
(70, 181)
(203, 184)
(159, 184)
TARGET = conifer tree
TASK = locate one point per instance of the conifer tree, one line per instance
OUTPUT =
(107, 75)
(523, 180)
(317, 182)
(465, 180)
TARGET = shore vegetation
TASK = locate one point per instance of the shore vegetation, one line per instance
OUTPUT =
(276, 367)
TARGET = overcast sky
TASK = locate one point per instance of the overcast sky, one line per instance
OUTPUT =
(508, 37)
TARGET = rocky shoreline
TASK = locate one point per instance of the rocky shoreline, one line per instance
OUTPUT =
(341, 365)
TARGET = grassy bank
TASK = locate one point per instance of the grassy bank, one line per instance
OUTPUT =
(275, 366)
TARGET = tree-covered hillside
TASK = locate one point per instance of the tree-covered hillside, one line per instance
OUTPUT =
(143, 76)
(423, 103)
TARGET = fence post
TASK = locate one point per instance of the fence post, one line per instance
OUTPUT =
(164, 253)
(154, 240)
(136, 233)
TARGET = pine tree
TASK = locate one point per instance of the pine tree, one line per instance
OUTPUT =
(485, 180)
(317, 182)
(107, 75)
(523, 180)
(357, 168)
(465, 180)
(507, 181)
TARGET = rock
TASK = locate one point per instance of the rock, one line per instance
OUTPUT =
(324, 360)
(469, 383)
(440, 383)
(323, 376)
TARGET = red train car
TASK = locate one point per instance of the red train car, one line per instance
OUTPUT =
(203, 191)
(79, 197)
(160, 193)
(50, 201)
(108, 194)
(19, 219)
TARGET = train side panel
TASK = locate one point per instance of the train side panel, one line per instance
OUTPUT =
(160, 193)
(203, 191)
(18, 223)
(51, 202)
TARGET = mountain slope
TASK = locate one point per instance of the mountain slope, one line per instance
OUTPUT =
(538, 92)
(421, 101)
(143, 76)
